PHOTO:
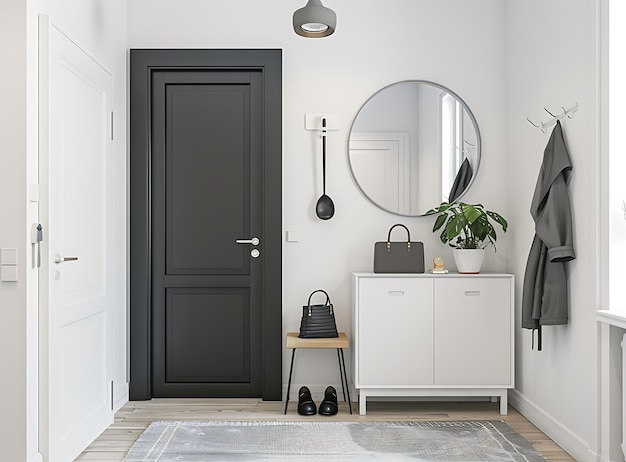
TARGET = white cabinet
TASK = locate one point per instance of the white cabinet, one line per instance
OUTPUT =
(432, 335)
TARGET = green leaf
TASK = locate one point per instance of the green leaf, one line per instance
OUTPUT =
(454, 226)
(471, 213)
(498, 219)
(442, 208)
(441, 219)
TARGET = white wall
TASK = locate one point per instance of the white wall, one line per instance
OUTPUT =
(617, 189)
(456, 43)
(552, 62)
(13, 388)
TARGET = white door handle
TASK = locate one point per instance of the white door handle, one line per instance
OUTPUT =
(253, 241)
(58, 258)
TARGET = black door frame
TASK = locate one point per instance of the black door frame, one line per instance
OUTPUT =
(142, 63)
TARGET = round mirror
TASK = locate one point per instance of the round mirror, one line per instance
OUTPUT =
(413, 145)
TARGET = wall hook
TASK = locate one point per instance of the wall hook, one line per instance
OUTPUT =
(555, 117)
(558, 116)
(570, 112)
(541, 126)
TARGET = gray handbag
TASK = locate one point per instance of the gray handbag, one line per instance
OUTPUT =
(399, 257)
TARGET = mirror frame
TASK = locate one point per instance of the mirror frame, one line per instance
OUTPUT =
(441, 87)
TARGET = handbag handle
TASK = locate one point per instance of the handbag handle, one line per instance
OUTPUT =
(408, 233)
(327, 302)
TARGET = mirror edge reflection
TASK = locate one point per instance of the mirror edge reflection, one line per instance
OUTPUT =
(439, 86)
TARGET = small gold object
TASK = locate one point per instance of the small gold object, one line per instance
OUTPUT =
(438, 264)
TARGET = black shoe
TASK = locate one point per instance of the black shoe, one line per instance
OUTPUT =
(306, 406)
(329, 405)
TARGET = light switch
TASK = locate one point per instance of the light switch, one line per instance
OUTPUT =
(8, 257)
(293, 236)
(8, 273)
(8, 265)
(33, 192)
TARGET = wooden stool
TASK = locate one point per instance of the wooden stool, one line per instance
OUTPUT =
(341, 342)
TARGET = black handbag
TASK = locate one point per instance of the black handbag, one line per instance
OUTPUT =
(399, 257)
(318, 321)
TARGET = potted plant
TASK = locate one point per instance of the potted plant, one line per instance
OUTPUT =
(469, 229)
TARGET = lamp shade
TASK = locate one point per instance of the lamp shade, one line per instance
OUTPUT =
(314, 20)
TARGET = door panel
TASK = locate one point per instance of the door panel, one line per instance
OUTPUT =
(206, 340)
(208, 336)
(77, 214)
(207, 178)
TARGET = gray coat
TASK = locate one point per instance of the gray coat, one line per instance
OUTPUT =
(544, 297)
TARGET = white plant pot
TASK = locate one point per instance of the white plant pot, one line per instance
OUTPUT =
(469, 261)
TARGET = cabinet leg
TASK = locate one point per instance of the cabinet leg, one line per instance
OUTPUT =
(362, 404)
(504, 408)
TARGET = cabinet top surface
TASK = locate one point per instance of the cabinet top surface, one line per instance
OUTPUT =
(429, 275)
(613, 317)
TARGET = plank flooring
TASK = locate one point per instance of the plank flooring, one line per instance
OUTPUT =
(134, 417)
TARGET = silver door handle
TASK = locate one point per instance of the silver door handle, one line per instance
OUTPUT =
(58, 258)
(253, 241)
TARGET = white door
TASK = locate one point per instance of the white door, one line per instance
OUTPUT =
(75, 170)
(381, 162)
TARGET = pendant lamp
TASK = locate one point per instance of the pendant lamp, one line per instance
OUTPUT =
(314, 20)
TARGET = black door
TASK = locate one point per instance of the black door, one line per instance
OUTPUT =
(213, 327)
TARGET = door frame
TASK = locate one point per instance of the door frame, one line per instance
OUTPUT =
(142, 63)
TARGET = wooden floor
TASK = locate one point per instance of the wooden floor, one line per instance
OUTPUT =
(135, 416)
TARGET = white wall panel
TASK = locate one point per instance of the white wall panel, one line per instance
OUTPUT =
(552, 62)
(13, 352)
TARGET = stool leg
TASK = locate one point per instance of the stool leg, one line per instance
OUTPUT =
(343, 359)
(341, 375)
(293, 355)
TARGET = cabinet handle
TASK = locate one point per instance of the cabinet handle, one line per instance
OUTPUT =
(472, 293)
(396, 293)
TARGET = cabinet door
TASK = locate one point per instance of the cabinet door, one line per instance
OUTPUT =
(395, 335)
(473, 331)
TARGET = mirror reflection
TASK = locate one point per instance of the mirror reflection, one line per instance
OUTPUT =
(413, 145)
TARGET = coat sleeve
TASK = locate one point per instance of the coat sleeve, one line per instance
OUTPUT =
(554, 224)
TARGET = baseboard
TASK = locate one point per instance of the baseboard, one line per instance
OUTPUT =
(120, 401)
(36, 458)
(571, 443)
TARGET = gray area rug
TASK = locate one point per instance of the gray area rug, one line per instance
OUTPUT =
(169, 441)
